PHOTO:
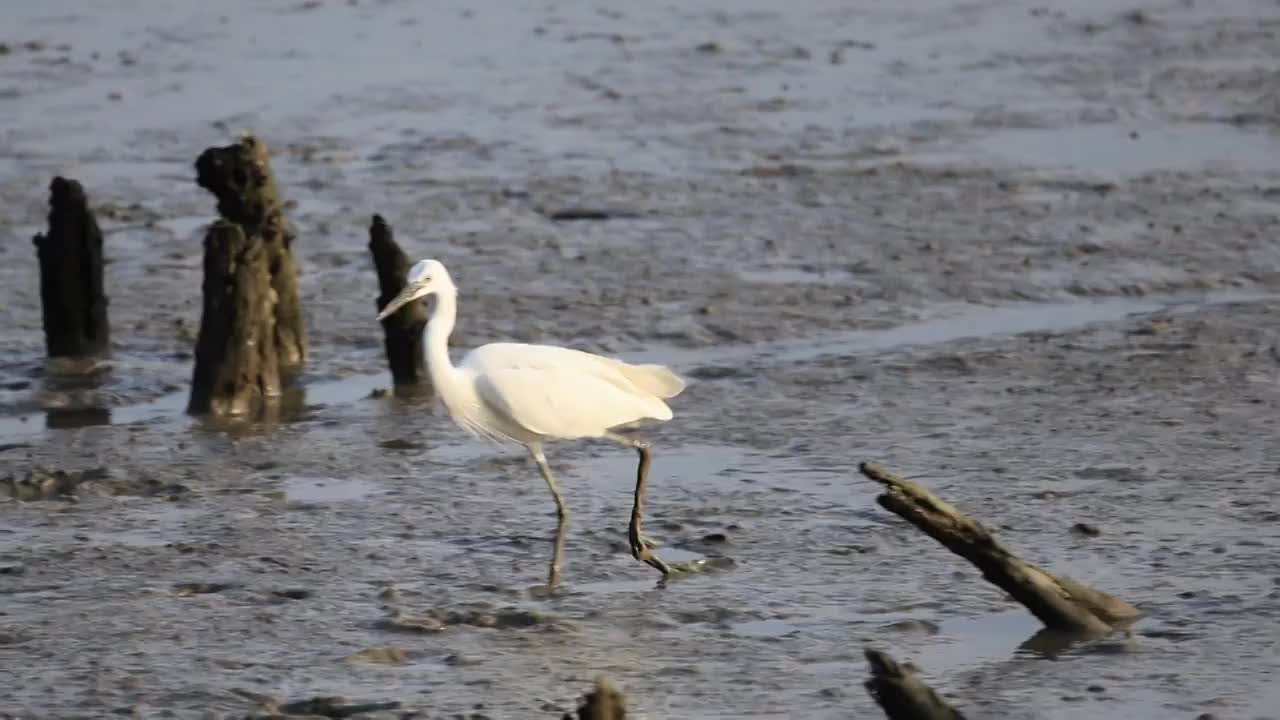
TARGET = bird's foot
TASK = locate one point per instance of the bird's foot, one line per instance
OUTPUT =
(642, 550)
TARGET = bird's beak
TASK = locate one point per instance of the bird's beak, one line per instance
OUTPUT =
(398, 301)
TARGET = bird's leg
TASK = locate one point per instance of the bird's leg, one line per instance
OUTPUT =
(562, 514)
(640, 549)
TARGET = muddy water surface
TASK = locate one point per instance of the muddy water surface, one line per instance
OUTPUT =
(1023, 254)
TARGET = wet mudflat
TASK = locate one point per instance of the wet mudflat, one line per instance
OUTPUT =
(1025, 255)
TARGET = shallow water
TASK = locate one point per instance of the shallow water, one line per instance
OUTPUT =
(920, 235)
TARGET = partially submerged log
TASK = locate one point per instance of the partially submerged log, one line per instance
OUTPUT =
(71, 268)
(402, 330)
(1061, 603)
(236, 366)
(901, 694)
(604, 702)
(239, 176)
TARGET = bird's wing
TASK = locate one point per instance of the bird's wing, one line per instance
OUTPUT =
(648, 379)
(564, 402)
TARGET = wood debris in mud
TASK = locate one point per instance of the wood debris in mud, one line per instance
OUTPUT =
(901, 694)
(251, 327)
(71, 268)
(402, 330)
(239, 176)
(604, 702)
(237, 368)
(1062, 604)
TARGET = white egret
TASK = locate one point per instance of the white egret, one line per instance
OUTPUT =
(532, 394)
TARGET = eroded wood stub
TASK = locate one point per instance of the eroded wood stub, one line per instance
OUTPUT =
(236, 367)
(1060, 603)
(604, 702)
(901, 694)
(239, 176)
(402, 330)
(72, 298)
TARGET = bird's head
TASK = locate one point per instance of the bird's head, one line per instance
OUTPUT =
(424, 278)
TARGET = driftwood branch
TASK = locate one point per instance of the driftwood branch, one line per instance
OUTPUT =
(604, 702)
(1061, 603)
(71, 270)
(239, 176)
(901, 694)
(402, 331)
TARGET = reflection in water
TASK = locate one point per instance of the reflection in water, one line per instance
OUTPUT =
(290, 406)
(70, 418)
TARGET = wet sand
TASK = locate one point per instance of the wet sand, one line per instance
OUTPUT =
(1023, 255)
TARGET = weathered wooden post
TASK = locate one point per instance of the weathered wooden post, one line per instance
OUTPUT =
(402, 330)
(71, 269)
(251, 327)
(236, 367)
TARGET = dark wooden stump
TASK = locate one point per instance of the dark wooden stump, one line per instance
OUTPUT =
(402, 330)
(1061, 603)
(239, 176)
(71, 268)
(604, 702)
(236, 367)
(901, 694)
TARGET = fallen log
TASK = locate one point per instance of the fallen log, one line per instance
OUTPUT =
(71, 268)
(901, 694)
(604, 702)
(1060, 603)
(239, 176)
(402, 330)
(236, 367)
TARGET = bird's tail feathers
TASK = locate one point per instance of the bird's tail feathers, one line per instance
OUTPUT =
(658, 380)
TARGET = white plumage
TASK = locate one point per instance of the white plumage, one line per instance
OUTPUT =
(532, 394)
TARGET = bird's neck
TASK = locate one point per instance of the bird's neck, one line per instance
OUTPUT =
(439, 327)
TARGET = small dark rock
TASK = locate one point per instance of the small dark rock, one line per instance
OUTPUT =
(715, 537)
(1086, 529)
(293, 594)
(708, 48)
(200, 588)
(714, 372)
(570, 214)
(334, 707)
(399, 444)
